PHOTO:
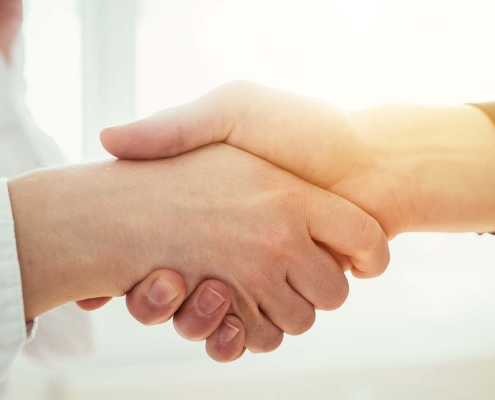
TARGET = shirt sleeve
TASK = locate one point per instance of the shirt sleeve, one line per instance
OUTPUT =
(14, 332)
(64, 334)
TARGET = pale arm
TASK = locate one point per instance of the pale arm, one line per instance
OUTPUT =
(440, 159)
(413, 168)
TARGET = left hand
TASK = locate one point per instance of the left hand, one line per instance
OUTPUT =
(311, 138)
(413, 168)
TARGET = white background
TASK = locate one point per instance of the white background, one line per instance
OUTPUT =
(100, 62)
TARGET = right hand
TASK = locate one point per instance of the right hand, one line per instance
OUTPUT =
(217, 213)
(157, 299)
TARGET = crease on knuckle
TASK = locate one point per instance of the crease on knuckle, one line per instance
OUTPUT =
(281, 244)
(302, 324)
(368, 235)
(267, 343)
(336, 296)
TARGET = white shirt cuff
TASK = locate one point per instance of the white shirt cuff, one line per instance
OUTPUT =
(14, 331)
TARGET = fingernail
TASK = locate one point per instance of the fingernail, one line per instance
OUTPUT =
(227, 332)
(162, 292)
(210, 301)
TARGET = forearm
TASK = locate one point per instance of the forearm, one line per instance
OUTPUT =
(67, 234)
(443, 158)
(42, 239)
(412, 168)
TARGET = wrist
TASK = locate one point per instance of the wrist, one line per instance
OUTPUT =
(43, 284)
(438, 161)
(57, 215)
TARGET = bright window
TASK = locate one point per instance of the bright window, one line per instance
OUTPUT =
(143, 56)
(53, 70)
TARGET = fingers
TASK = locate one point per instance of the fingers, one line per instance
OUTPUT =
(299, 134)
(93, 304)
(227, 342)
(262, 335)
(289, 311)
(172, 132)
(201, 316)
(203, 311)
(155, 299)
(347, 229)
(323, 283)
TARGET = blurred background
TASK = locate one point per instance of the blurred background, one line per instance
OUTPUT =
(424, 330)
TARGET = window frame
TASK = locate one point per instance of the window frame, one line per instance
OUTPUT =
(109, 68)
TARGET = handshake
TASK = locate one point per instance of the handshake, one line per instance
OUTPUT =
(246, 209)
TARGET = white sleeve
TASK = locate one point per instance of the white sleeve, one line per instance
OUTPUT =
(63, 334)
(13, 329)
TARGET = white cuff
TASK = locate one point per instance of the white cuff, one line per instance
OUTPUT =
(13, 329)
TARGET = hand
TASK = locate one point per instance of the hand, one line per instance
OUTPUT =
(143, 307)
(155, 300)
(412, 168)
(216, 213)
(310, 138)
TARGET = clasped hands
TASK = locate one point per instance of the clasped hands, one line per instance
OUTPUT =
(240, 248)
(279, 244)
(257, 201)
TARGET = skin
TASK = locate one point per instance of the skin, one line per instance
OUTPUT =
(146, 308)
(413, 168)
(216, 213)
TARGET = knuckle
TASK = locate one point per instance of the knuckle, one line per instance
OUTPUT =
(267, 343)
(236, 99)
(255, 286)
(368, 234)
(302, 324)
(291, 199)
(259, 286)
(277, 243)
(281, 244)
(336, 296)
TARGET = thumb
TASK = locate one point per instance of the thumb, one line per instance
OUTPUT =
(307, 137)
(348, 230)
(168, 133)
